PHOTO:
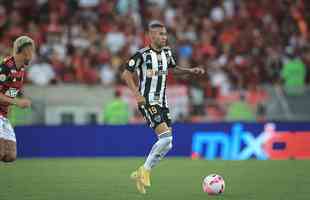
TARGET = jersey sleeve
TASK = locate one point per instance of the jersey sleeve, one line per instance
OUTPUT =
(134, 62)
(4, 74)
(172, 60)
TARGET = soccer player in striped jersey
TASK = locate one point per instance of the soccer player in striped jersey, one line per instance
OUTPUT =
(151, 65)
(12, 73)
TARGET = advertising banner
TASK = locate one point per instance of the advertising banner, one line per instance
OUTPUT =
(228, 141)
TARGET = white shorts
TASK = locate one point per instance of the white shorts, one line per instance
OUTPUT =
(6, 130)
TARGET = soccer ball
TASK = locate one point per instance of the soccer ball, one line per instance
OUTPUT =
(213, 184)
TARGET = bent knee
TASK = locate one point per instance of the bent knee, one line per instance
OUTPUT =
(161, 128)
(170, 145)
(9, 158)
(168, 142)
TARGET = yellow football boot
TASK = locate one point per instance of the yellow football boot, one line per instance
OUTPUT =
(145, 176)
(140, 187)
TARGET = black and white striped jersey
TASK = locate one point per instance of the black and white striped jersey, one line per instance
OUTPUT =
(152, 69)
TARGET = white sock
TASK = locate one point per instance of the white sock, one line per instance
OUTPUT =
(159, 150)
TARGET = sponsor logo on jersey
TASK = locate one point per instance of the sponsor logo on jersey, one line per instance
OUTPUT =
(11, 92)
(157, 118)
(150, 73)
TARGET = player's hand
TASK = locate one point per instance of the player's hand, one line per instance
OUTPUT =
(197, 70)
(140, 100)
(22, 103)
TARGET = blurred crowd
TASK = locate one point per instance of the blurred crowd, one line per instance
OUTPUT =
(242, 44)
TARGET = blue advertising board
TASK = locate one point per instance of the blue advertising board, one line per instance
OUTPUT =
(235, 141)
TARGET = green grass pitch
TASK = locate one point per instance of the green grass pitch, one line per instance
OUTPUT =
(172, 179)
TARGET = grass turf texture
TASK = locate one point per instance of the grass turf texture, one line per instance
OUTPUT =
(172, 179)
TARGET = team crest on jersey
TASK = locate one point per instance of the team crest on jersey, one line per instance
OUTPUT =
(131, 62)
(2, 77)
(11, 92)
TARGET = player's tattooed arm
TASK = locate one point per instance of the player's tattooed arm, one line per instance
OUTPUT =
(194, 70)
(183, 70)
(20, 102)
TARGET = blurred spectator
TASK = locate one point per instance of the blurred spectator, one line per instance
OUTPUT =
(220, 80)
(41, 73)
(107, 75)
(125, 6)
(88, 3)
(294, 74)
(217, 14)
(116, 111)
(197, 99)
(240, 43)
(115, 40)
(230, 32)
(240, 111)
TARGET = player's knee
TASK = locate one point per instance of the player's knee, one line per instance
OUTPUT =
(1, 156)
(170, 145)
(2, 149)
(162, 128)
(167, 140)
(9, 157)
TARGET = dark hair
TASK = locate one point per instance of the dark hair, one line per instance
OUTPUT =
(155, 24)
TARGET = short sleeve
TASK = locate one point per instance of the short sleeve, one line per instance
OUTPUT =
(4, 74)
(134, 62)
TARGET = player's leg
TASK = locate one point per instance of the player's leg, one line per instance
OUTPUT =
(2, 148)
(164, 143)
(158, 118)
(10, 151)
(2, 144)
(136, 175)
(161, 147)
(9, 141)
(158, 151)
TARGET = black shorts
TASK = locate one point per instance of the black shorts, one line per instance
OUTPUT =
(155, 115)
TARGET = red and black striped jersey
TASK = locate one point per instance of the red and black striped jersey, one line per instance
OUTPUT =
(11, 81)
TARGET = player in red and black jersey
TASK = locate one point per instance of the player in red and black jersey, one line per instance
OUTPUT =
(12, 72)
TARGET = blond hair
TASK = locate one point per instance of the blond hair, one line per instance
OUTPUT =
(21, 42)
